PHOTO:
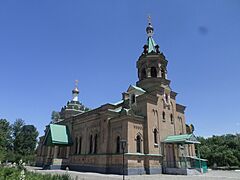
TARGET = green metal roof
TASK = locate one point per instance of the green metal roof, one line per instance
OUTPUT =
(57, 135)
(182, 139)
(119, 102)
(151, 45)
(138, 88)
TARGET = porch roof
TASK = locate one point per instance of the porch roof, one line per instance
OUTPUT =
(182, 139)
(57, 135)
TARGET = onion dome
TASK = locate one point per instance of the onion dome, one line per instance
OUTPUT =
(75, 91)
(149, 28)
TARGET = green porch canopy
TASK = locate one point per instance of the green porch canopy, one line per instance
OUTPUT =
(182, 139)
(57, 135)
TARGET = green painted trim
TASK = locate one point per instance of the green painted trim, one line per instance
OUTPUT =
(160, 155)
(99, 154)
(183, 138)
(192, 157)
(116, 154)
(119, 102)
(138, 88)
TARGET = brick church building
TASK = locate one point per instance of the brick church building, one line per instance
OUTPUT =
(147, 124)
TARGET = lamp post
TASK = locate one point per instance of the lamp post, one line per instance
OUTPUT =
(124, 144)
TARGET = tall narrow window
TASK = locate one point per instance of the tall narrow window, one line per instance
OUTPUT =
(90, 145)
(163, 103)
(95, 144)
(155, 136)
(163, 115)
(138, 144)
(171, 117)
(166, 97)
(118, 145)
(133, 98)
(163, 73)
(80, 145)
(153, 72)
(76, 145)
(143, 74)
(180, 119)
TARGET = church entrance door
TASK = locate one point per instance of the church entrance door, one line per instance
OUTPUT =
(170, 156)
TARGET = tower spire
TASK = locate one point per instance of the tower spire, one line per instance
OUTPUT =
(149, 28)
(151, 46)
(75, 91)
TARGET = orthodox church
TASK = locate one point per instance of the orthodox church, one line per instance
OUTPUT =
(144, 133)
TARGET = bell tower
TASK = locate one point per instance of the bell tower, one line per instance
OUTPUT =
(152, 64)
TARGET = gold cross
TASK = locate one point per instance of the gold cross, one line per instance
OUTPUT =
(76, 83)
(149, 19)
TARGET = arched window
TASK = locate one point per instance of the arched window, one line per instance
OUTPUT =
(118, 145)
(163, 115)
(133, 98)
(76, 145)
(181, 121)
(90, 145)
(155, 136)
(80, 145)
(163, 73)
(143, 74)
(166, 97)
(171, 117)
(138, 143)
(153, 72)
(95, 144)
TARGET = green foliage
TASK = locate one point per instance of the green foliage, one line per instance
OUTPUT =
(55, 116)
(7, 173)
(26, 140)
(5, 135)
(3, 154)
(17, 126)
(221, 150)
(17, 141)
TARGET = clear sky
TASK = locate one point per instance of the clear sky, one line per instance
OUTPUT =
(46, 45)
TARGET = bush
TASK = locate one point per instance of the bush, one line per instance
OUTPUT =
(7, 173)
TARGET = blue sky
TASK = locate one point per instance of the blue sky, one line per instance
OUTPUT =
(46, 45)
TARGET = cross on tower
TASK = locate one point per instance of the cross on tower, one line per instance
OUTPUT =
(149, 19)
(76, 83)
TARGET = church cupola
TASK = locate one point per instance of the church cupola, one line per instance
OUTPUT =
(75, 91)
(73, 107)
(152, 64)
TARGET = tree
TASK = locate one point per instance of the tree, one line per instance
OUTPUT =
(55, 116)
(16, 129)
(223, 150)
(26, 140)
(5, 134)
(5, 138)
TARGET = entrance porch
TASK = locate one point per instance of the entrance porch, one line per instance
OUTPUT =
(180, 157)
